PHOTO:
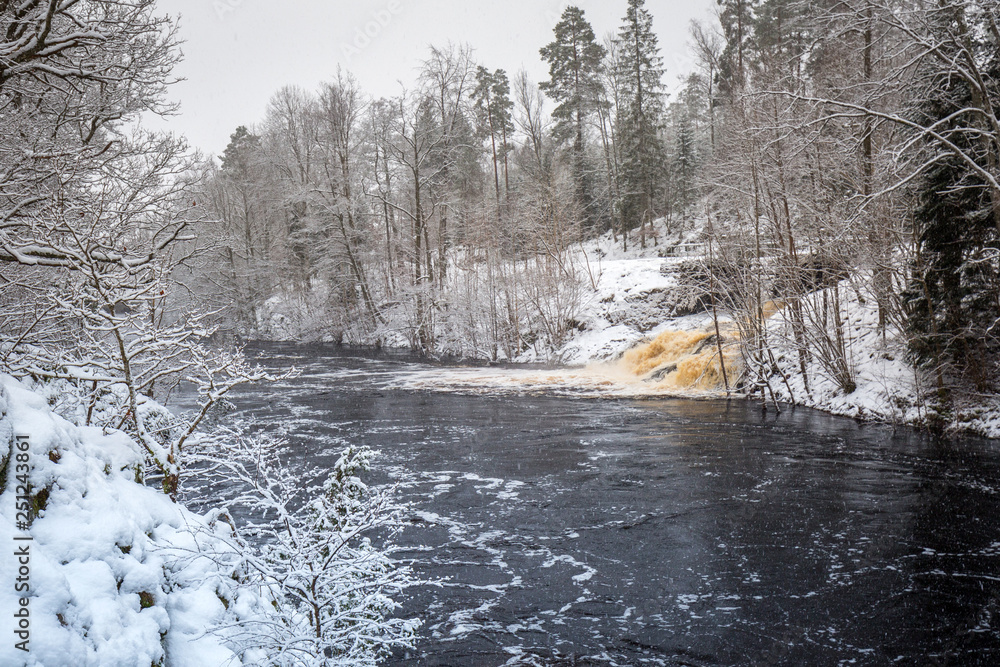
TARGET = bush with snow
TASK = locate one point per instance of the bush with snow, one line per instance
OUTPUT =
(316, 558)
(120, 575)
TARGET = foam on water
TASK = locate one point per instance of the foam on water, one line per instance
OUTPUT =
(674, 363)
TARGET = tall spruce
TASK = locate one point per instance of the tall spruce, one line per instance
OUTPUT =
(685, 165)
(641, 76)
(574, 59)
(737, 18)
(954, 295)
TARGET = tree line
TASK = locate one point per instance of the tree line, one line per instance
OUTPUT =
(442, 217)
(825, 153)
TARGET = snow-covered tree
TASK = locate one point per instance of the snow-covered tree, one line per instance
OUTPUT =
(72, 74)
(320, 551)
(98, 216)
(954, 292)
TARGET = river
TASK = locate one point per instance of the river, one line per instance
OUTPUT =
(578, 528)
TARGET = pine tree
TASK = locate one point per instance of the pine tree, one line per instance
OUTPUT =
(688, 143)
(641, 78)
(242, 144)
(574, 59)
(780, 33)
(492, 96)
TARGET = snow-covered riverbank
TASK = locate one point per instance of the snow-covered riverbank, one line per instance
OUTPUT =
(637, 296)
(110, 572)
(625, 299)
(114, 574)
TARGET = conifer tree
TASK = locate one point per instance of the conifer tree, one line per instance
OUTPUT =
(685, 164)
(574, 59)
(954, 294)
(242, 144)
(737, 18)
(492, 96)
(641, 76)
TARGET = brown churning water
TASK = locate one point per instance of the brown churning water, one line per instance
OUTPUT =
(685, 360)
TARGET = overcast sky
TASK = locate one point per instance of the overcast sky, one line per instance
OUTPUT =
(237, 53)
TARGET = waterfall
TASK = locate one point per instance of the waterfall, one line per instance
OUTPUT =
(684, 361)
(674, 363)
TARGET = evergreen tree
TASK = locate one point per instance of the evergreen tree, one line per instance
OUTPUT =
(737, 18)
(574, 59)
(685, 164)
(242, 145)
(687, 143)
(492, 96)
(641, 74)
(953, 297)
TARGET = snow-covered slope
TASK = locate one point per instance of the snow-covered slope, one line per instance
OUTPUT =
(886, 385)
(635, 296)
(118, 574)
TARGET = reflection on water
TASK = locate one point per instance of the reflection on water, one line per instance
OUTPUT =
(615, 531)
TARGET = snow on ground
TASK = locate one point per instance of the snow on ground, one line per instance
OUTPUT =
(635, 296)
(118, 574)
(888, 387)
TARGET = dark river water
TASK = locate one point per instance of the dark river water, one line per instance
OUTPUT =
(576, 530)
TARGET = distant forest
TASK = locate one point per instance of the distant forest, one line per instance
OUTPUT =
(816, 144)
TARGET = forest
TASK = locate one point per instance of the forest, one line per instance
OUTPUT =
(816, 146)
(824, 158)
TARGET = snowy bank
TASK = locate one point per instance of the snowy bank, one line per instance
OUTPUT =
(632, 296)
(118, 575)
(887, 387)
(639, 294)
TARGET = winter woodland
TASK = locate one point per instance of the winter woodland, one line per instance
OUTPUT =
(824, 187)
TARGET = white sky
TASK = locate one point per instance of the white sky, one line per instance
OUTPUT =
(238, 53)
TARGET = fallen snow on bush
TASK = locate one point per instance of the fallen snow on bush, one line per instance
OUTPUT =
(887, 387)
(119, 574)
